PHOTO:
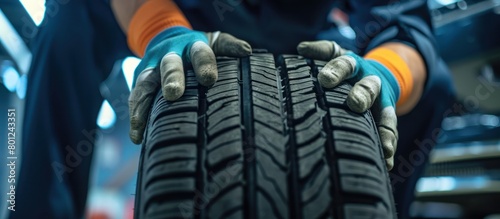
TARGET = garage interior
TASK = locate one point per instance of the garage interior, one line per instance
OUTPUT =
(462, 179)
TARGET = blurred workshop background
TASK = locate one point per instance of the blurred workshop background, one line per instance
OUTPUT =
(462, 180)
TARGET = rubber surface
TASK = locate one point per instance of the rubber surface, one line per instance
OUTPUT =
(266, 141)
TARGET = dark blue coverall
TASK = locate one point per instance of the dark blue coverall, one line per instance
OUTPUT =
(76, 48)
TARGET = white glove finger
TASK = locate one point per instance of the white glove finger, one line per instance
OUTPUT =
(386, 121)
(140, 101)
(204, 63)
(224, 44)
(321, 50)
(364, 93)
(336, 70)
(389, 162)
(172, 77)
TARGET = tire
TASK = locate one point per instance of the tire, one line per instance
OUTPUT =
(266, 141)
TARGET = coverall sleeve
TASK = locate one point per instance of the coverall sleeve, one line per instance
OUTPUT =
(379, 21)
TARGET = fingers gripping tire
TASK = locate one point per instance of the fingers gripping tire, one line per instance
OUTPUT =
(266, 141)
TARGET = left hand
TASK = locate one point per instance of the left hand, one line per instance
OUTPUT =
(374, 85)
(163, 68)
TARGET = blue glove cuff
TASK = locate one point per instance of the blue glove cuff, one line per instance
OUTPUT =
(176, 39)
(388, 76)
(389, 91)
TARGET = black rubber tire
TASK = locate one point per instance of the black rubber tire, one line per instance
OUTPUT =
(266, 141)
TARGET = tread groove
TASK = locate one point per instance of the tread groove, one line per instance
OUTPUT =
(248, 140)
(337, 198)
(198, 211)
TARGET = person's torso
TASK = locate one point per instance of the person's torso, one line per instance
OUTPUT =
(276, 25)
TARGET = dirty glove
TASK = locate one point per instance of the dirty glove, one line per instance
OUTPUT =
(162, 66)
(374, 85)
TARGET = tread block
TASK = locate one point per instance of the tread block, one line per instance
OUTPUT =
(356, 138)
(300, 98)
(313, 121)
(172, 152)
(361, 211)
(172, 120)
(171, 170)
(353, 125)
(260, 79)
(317, 145)
(170, 209)
(222, 124)
(316, 196)
(274, 143)
(360, 119)
(299, 74)
(226, 204)
(362, 185)
(231, 103)
(300, 81)
(310, 162)
(171, 187)
(308, 135)
(355, 149)
(358, 168)
(229, 177)
(173, 135)
(272, 186)
(225, 90)
(228, 152)
(304, 108)
(267, 208)
(233, 135)
(336, 98)
(263, 107)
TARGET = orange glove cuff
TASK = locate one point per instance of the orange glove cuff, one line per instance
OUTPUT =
(398, 67)
(149, 20)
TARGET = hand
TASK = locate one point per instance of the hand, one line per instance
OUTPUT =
(167, 52)
(374, 85)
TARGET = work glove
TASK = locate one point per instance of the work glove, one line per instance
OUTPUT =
(162, 65)
(374, 86)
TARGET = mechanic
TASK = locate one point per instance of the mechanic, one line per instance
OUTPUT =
(399, 73)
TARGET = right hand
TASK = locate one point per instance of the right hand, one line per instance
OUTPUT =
(167, 52)
(375, 87)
